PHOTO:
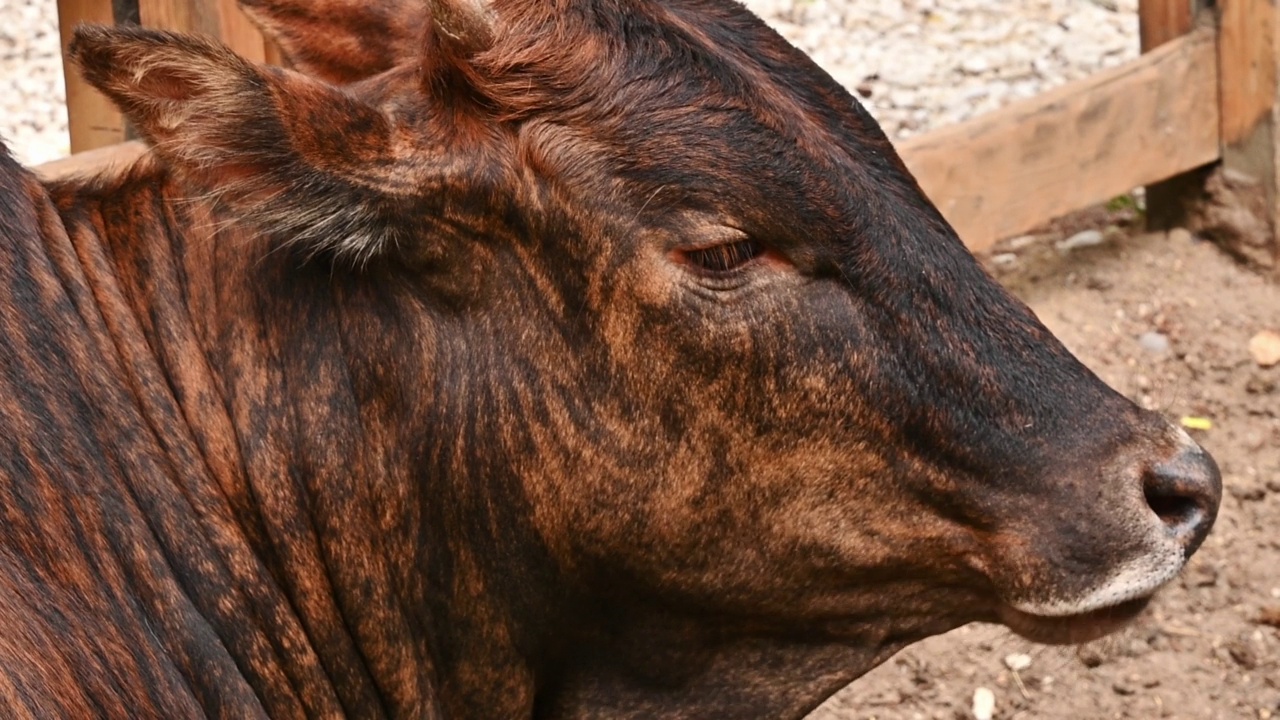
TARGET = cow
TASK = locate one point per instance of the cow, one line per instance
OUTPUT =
(552, 359)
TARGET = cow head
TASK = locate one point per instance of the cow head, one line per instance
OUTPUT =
(688, 310)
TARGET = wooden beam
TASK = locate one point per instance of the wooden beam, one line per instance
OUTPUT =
(1081, 144)
(93, 121)
(1249, 54)
(92, 162)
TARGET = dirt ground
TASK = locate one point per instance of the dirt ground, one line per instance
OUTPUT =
(1209, 647)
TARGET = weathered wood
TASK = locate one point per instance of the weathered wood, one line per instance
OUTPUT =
(93, 121)
(220, 18)
(181, 15)
(1159, 21)
(240, 33)
(1248, 68)
(1009, 171)
(93, 161)
(1249, 55)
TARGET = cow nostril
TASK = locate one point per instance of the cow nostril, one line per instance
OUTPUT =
(1174, 510)
(1184, 492)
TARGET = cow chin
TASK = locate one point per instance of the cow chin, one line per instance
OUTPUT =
(1103, 609)
(1073, 629)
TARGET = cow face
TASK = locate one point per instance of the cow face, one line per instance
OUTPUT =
(725, 351)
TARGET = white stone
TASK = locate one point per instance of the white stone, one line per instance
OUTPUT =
(984, 704)
(1017, 662)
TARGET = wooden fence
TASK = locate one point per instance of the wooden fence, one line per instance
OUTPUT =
(1202, 95)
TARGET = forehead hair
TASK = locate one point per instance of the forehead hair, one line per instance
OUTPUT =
(706, 74)
(589, 59)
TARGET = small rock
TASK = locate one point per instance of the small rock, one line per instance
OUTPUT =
(1181, 236)
(1123, 688)
(1265, 348)
(1245, 489)
(1093, 282)
(1154, 342)
(1022, 242)
(1088, 238)
(1004, 260)
(1090, 656)
(1017, 662)
(984, 704)
(1200, 574)
(1137, 648)
(1243, 652)
(1269, 615)
(1260, 384)
(889, 698)
(975, 65)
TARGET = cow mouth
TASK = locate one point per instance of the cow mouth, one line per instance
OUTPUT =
(1073, 629)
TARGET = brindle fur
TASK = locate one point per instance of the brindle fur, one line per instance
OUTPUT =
(390, 397)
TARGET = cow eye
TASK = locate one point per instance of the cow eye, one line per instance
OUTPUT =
(725, 257)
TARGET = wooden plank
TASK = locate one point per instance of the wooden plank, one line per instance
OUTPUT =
(222, 19)
(1248, 60)
(93, 121)
(240, 33)
(1081, 144)
(1160, 21)
(1249, 54)
(92, 162)
(198, 16)
(1171, 202)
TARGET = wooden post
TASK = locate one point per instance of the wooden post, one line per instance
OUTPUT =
(1160, 21)
(219, 18)
(1248, 56)
(1170, 201)
(92, 120)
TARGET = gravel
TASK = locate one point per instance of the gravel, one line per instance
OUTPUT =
(33, 99)
(921, 64)
(916, 64)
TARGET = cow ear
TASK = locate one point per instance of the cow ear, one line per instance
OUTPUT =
(342, 41)
(304, 161)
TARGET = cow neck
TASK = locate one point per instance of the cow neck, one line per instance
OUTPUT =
(660, 663)
(295, 512)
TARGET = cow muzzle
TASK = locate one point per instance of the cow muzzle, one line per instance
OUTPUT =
(1180, 495)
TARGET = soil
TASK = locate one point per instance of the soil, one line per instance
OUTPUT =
(1209, 646)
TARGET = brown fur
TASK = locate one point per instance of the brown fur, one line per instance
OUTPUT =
(402, 388)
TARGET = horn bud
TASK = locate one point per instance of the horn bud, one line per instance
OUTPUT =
(465, 26)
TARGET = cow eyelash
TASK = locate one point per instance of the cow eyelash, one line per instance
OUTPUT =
(726, 257)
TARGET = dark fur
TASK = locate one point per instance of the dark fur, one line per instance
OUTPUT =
(496, 452)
